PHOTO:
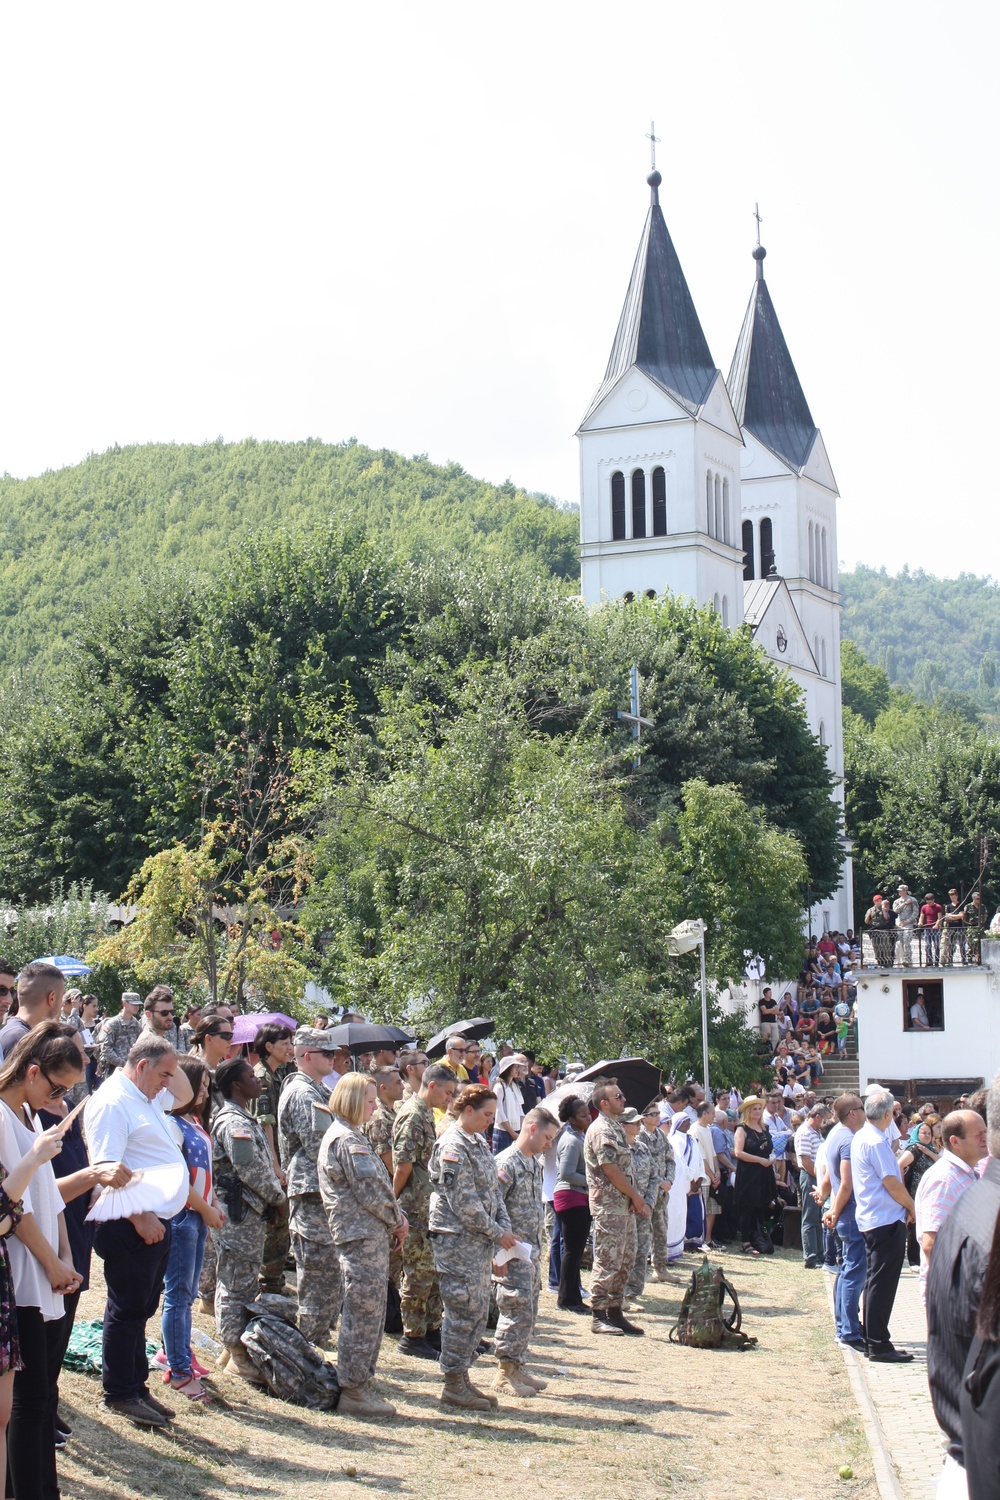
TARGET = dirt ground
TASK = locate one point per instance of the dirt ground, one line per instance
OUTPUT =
(621, 1417)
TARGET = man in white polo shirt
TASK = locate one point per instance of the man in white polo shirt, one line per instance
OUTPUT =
(124, 1122)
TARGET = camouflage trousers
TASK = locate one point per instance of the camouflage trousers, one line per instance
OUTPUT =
(643, 1243)
(364, 1275)
(276, 1247)
(206, 1284)
(517, 1302)
(614, 1257)
(420, 1297)
(317, 1268)
(464, 1267)
(659, 1231)
(239, 1251)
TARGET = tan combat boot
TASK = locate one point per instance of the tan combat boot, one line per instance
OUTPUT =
(481, 1395)
(457, 1393)
(361, 1401)
(540, 1385)
(511, 1377)
(241, 1364)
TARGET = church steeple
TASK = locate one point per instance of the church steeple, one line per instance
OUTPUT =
(658, 331)
(764, 387)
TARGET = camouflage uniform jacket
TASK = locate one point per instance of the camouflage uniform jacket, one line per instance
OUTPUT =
(379, 1129)
(414, 1135)
(644, 1170)
(118, 1037)
(605, 1144)
(356, 1188)
(662, 1152)
(265, 1107)
(175, 1036)
(465, 1196)
(521, 1189)
(234, 1155)
(303, 1119)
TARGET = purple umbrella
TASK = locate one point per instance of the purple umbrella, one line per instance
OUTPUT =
(245, 1028)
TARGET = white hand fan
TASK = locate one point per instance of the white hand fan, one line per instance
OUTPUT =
(149, 1190)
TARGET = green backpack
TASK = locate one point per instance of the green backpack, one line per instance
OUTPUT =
(703, 1323)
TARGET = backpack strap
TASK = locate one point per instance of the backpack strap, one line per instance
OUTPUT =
(735, 1320)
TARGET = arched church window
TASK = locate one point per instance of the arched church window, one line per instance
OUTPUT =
(748, 572)
(618, 507)
(650, 593)
(715, 603)
(726, 525)
(709, 505)
(822, 732)
(766, 548)
(822, 648)
(638, 503)
(718, 509)
(812, 554)
(725, 610)
(826, 573)
(628, 597)
(659, 502)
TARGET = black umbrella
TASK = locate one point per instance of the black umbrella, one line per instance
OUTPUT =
(472, 1031)
(358, 1036)
(638, 1079)
(399, 1035)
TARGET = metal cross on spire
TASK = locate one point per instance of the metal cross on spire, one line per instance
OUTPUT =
(654, 141)
(756, 214)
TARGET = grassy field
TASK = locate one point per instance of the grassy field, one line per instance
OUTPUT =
(621, 1417)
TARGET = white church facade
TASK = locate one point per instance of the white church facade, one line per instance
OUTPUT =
(717, 490)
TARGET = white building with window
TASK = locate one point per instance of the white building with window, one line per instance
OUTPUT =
(717, 490)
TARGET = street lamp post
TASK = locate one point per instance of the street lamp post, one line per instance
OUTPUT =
(684, 939)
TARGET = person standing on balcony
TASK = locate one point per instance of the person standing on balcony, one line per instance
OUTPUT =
(975, 925)
(930, 927)
(954, 930)
(906, 912)
(877, 919)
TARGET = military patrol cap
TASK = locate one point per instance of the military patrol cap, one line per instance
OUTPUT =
(630, 1117)
(316, 1039)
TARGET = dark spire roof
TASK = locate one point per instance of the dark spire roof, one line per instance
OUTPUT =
(659, 331)
(763, 386)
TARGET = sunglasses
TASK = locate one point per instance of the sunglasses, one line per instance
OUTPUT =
(224, 1036)
(8, 989)
(56, 1090)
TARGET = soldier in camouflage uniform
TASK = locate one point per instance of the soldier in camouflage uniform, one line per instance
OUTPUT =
(614, 1203)
(119, 1035)
(656, 1143)
(246, 1187)
(518, 1283)
(644, 1176)
(378, 1130)
(364, 1219)
(468, 1224)
(303, 1120)
(414, 1133)
(273, 1045)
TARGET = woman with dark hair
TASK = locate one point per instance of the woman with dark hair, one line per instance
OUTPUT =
(979, 1396)
(40, 1071)
(468, 1224)
(571, 1201)
(188, 1232)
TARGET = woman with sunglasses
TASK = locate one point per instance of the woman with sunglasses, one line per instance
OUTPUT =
(40, 1071)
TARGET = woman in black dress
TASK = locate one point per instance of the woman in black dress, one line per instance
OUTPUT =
(754, 1173)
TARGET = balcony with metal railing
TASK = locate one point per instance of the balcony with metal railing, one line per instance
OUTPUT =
(957, 947)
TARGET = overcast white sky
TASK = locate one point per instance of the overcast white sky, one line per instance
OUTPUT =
(415, 225)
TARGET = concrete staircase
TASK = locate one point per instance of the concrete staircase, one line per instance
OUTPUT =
(840, 1076)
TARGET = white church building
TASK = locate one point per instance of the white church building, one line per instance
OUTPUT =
(718, 490)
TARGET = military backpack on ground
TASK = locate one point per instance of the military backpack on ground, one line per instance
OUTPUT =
(294, 1369)
(703, 1321)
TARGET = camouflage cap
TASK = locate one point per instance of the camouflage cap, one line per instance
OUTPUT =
(630, 1117)
(316, 1039)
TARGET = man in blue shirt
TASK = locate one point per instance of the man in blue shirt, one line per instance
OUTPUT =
(883, 1208)
(840, 1216)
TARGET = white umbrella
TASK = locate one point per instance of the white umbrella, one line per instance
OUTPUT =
(146, 1192)
(552, 1101)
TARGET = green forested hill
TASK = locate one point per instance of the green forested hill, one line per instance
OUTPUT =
(932, 635)
(76, 535)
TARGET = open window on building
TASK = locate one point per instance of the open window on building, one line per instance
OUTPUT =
(923, 1005)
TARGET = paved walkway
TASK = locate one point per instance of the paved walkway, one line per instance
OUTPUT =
(896, 1397)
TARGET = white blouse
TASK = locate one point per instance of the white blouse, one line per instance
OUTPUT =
(43, 1200)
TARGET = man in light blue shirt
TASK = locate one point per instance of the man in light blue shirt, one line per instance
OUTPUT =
(840, 1216)
(883, 1208)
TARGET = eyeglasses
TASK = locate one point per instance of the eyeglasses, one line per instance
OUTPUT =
(56, 1090)
(460, 1050)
